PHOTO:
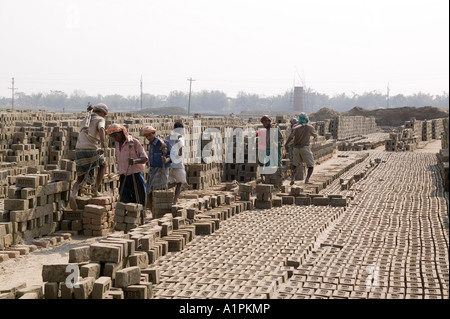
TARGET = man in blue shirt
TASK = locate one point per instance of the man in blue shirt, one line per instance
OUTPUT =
(159, 160)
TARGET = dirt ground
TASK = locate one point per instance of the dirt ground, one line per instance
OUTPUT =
(28, 268)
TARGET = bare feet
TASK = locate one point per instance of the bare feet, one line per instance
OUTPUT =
(97, 193)
(73, 203)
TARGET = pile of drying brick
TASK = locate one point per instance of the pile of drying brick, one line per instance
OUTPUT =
(35, 205)
(403, 141)
(127, 216)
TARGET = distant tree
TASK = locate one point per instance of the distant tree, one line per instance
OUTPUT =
(178, 98)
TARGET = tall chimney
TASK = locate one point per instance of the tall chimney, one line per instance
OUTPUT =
(299, 97)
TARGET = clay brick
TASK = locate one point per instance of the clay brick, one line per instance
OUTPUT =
(116, 294)
(320, 201)
(264, 188)
(139, 259)
(287, 200)
(101, 286)
(27, 181)
(106, 253)
(203, 228)
(10, 253)
(95, 209)
(302, 201)
(16, 204)
(110, 270)
(100, 201)
(135, 292)
(56, 272)
(153, 274)
(90, 270)
(128, 276)
(58, 175)
(84, 288)
(51, 290)
(73, 214)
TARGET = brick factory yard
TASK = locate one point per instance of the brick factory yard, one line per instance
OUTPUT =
(372, 225)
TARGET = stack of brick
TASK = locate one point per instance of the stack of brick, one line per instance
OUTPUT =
(415, 126)
(59, 143)
(6, 238)
(72, 220)
(241, 172)
(242, 159)
(427, 133)
(3, 182)
(346, 126)
(263, 196)
(110, 269)
(201, 176)
(437, 128)
(246, 191)
(22, 154)
(323, 128)
(162, 202)
(443, 155)
(33, 204)
(127, 216)
(403, 141)
(98, 216)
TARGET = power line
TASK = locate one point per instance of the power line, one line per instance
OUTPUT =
(12, 93)
(141, 92)
(189, 101)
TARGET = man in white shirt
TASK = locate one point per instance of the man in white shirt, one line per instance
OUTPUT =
(87, 154)
(177, 172)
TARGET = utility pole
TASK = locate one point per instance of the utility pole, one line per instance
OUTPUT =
(388, 95)
(189, 102)
(141, 92)
(12, 94)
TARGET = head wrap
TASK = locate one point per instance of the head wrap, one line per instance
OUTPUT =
(100, 108)
(294, 120)
(303, 118)
(147, 130)
(266, 117)
(115, 128)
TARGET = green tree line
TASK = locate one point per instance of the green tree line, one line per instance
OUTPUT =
(217, 102)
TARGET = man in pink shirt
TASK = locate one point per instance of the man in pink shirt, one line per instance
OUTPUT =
(131, 158)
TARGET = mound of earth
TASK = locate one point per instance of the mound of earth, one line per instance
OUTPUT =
(398, 116)
(323, 114)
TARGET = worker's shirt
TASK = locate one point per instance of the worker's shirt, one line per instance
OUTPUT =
(302, 135)
(155, 153)
(89, 136)
(177, 144)
(133, 150)
(289, 131)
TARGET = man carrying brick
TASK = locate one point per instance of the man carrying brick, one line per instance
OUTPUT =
(273, 147)
(293, 123)
(87, 156)
(301, 136)
(131, 159)
(177, 173)
(159, 160)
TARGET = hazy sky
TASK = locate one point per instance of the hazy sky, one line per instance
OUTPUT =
(256, 46)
